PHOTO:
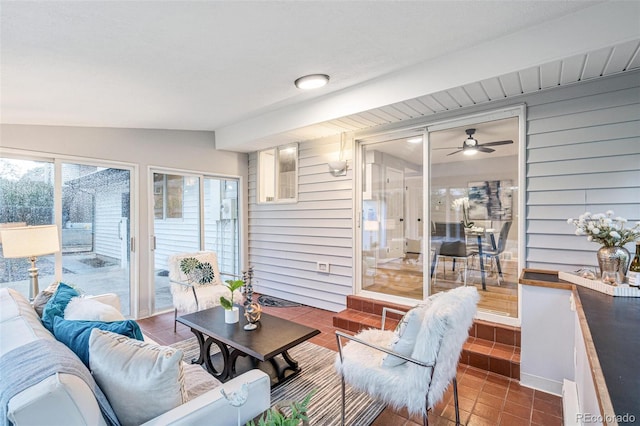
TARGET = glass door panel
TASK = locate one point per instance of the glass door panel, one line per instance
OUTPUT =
(392, 217)
(473, 211)
(221, 222)
(176, 227)
(96, 231)
(26, 199)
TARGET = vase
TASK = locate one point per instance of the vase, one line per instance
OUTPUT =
(613, 262)
(231, 316)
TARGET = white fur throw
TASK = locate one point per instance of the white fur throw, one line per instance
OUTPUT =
(80, 308)
(445, 328)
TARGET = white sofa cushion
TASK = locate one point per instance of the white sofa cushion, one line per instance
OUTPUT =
(140, 380)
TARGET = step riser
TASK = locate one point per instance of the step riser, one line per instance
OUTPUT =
(491, 347)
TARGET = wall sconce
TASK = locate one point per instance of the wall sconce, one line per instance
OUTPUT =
(31, 242)
(339, 168)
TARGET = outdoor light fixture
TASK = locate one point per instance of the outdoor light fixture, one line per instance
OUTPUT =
(339, 168)
(312, 81)
(31, 242)
(415, 140)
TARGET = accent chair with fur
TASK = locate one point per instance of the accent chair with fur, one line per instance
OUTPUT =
(412, 366)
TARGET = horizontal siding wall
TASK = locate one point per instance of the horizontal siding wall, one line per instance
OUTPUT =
(583, 154)
(287, 240)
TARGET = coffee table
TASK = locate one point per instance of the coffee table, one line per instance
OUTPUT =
(267, 343)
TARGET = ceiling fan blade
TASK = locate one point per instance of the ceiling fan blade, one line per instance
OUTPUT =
(454, 152)
(446, 147)
(483, 149)
(496, 143)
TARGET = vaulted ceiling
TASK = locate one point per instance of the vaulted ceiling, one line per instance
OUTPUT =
(229, 66)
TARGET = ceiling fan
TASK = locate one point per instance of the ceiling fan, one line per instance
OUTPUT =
(471, 146)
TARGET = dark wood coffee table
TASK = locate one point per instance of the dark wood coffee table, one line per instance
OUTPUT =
(274, 336)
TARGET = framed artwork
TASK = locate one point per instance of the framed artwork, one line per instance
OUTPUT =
(490, 200)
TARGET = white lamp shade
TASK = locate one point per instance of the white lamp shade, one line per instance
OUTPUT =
(30, 241)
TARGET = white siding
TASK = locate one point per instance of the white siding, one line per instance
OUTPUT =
(287, 240)
(582, 154)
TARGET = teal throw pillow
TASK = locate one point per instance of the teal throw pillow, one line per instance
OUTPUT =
(57, 304)
(75, 334)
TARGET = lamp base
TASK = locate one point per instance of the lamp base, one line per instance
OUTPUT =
(33, 279)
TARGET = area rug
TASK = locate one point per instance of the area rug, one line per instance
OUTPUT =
(276, 302)
(317, 374)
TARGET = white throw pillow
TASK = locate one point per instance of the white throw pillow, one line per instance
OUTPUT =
(405, 336)
(82, 308)
(141, 380)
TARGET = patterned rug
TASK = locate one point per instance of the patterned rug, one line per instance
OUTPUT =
(317, 373)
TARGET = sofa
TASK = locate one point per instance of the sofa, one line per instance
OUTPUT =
(69, 396)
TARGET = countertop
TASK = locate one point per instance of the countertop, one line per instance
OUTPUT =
(614, 327)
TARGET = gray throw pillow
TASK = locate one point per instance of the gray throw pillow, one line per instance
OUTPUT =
(43, 297)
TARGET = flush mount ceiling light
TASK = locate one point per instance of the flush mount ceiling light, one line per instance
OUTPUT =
(312, 81)
(415, 140)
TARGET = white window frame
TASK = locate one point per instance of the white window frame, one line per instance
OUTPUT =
(269, 176)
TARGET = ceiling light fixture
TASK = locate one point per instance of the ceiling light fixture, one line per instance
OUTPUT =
(312, 81)
(415, 140)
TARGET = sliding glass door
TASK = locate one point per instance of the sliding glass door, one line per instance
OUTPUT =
(92, 204)
(192, 213)
(440, 209)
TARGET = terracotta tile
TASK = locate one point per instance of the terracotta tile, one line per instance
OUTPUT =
(472, 381)
(479, 361)
(476, 420)
(516, 387)
(502, 351)
(518, 334)
(490, 400)
(508, 420)
(544, 419)
(547, 407)
(515, 371)
(387, 417)
(485, 331)
(500, 366)
(367, 306)
(517, 410)
(487, 412)
(551, 398)
(494, 389)
(472, 330)
(505, 336)
(498, 379)
(450, 414)
(481, 347)
(519, 398)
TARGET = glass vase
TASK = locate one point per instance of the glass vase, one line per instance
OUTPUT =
(613, 262)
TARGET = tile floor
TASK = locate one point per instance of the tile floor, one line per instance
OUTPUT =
(485, 398)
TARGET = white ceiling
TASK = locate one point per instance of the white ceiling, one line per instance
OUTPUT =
(229, 66)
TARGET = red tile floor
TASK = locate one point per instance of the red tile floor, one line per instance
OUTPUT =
(485, 398)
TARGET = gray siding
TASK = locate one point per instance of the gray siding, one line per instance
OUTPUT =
(582, 154)
(287, 240)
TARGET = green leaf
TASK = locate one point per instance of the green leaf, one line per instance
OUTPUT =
(226, 303)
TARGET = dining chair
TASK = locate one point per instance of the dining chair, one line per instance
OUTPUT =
(492, 250)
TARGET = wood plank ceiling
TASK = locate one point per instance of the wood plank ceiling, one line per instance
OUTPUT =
(595, 64)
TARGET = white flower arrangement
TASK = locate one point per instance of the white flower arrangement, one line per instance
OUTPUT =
(605, 229)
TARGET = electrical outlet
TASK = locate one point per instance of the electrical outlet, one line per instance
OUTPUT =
(322, 267)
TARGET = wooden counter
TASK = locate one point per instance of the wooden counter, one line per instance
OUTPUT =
(611, 329)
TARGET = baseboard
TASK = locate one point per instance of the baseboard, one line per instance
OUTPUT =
(570, 403)
(541, 383)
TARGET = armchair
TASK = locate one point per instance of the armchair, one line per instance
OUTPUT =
(194, 296)
(412, 366)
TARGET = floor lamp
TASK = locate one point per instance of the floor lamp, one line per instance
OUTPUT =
(30, 242)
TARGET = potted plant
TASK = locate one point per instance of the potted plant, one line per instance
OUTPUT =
(276, 416)
(231, 315)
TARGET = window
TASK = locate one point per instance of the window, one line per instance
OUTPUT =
(167, 196)
(278, 174)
